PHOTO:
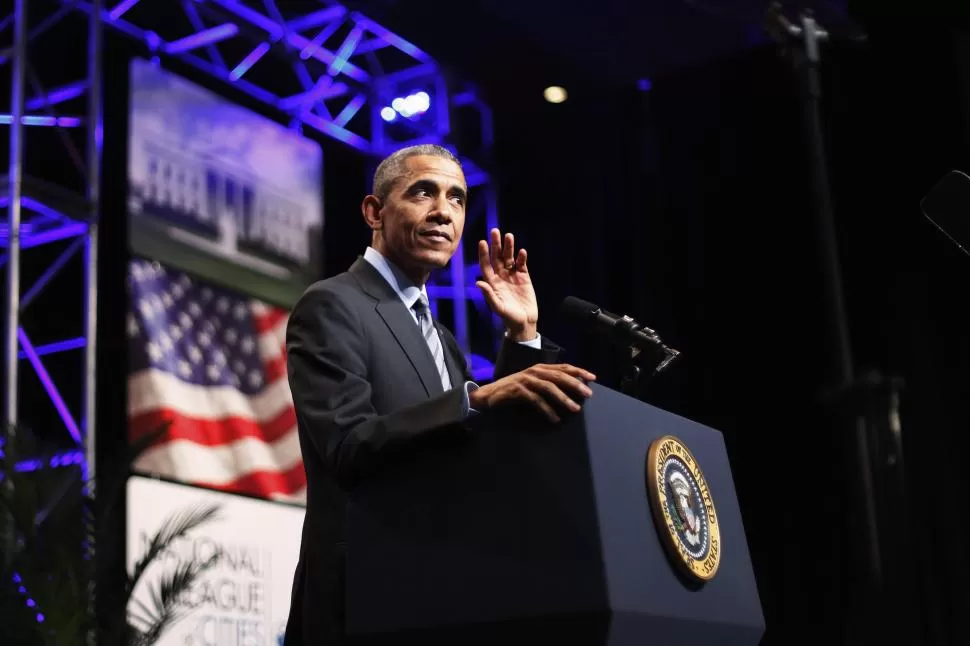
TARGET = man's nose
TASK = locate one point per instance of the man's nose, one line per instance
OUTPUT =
(443, 209)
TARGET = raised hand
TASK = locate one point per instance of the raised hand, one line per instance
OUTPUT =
(548, 387)
(507, 286)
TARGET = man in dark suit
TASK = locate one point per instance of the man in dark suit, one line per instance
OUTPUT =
(374, 377)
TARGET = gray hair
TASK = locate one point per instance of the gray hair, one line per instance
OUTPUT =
(392, 166)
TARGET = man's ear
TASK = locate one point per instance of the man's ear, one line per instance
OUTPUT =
(371, 209)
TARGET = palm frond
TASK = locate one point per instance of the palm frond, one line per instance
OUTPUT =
(132, 636)
(43, 524)
(73, 631)
(172, 529)
(165, 596)
(46, 564)
(19, 500)
(140, 616)
(64, 610)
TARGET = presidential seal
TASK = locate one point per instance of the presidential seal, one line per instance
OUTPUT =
(683, 509)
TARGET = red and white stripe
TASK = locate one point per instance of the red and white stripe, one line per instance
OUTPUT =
(219, 437)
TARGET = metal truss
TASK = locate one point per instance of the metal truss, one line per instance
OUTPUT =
(336, 72)
(51, 197)
(50, 233)
(320, 67)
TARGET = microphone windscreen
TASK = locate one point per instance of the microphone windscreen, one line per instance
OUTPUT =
(576, 309)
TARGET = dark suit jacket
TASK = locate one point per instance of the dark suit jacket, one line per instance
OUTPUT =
(366, 392)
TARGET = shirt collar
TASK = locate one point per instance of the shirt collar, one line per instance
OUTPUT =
(406, 290)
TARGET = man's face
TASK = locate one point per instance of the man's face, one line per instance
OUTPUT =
(424, 215)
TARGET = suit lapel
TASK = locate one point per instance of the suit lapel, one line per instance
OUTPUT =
(406, 332)
(401, 324)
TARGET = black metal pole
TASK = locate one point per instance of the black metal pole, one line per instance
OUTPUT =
(12, 322)
(94, 127)
(808, 61)
(841, 354)
(802, 42)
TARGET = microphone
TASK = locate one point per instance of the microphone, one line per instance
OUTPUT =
(620, 329)
(947, 206)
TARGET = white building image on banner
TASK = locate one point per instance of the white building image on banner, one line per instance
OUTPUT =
(219, 201)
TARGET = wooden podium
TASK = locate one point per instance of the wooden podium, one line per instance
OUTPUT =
(531, 531)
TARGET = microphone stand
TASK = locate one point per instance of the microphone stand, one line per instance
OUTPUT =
(641, 364)
(866, 408)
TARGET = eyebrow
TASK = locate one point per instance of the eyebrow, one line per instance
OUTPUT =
(433, 186)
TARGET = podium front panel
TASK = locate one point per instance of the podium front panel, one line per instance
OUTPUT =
(500, 526)
(644, 587)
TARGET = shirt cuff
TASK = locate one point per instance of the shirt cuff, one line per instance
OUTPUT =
(467, 410)
(535, 343)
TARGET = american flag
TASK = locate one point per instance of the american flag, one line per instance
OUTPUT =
(212, 362)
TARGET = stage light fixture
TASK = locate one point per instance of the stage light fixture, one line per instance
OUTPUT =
(388, 114)
(409, 107)
(555, 94)
(421, 102)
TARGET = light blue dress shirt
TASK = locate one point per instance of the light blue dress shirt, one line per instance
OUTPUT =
(409, 293)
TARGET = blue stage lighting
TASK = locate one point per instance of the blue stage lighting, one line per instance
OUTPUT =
(410, 106)
(30, 602)
(420, 102)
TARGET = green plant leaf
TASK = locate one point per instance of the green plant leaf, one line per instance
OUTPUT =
(44, 517)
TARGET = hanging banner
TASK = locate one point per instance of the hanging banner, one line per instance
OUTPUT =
(220, 191)
(241, 600)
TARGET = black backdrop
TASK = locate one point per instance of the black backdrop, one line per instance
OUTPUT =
(689, 208)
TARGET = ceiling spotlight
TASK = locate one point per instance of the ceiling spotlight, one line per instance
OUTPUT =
(554, 94)
(421, 102)
(409, 107)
